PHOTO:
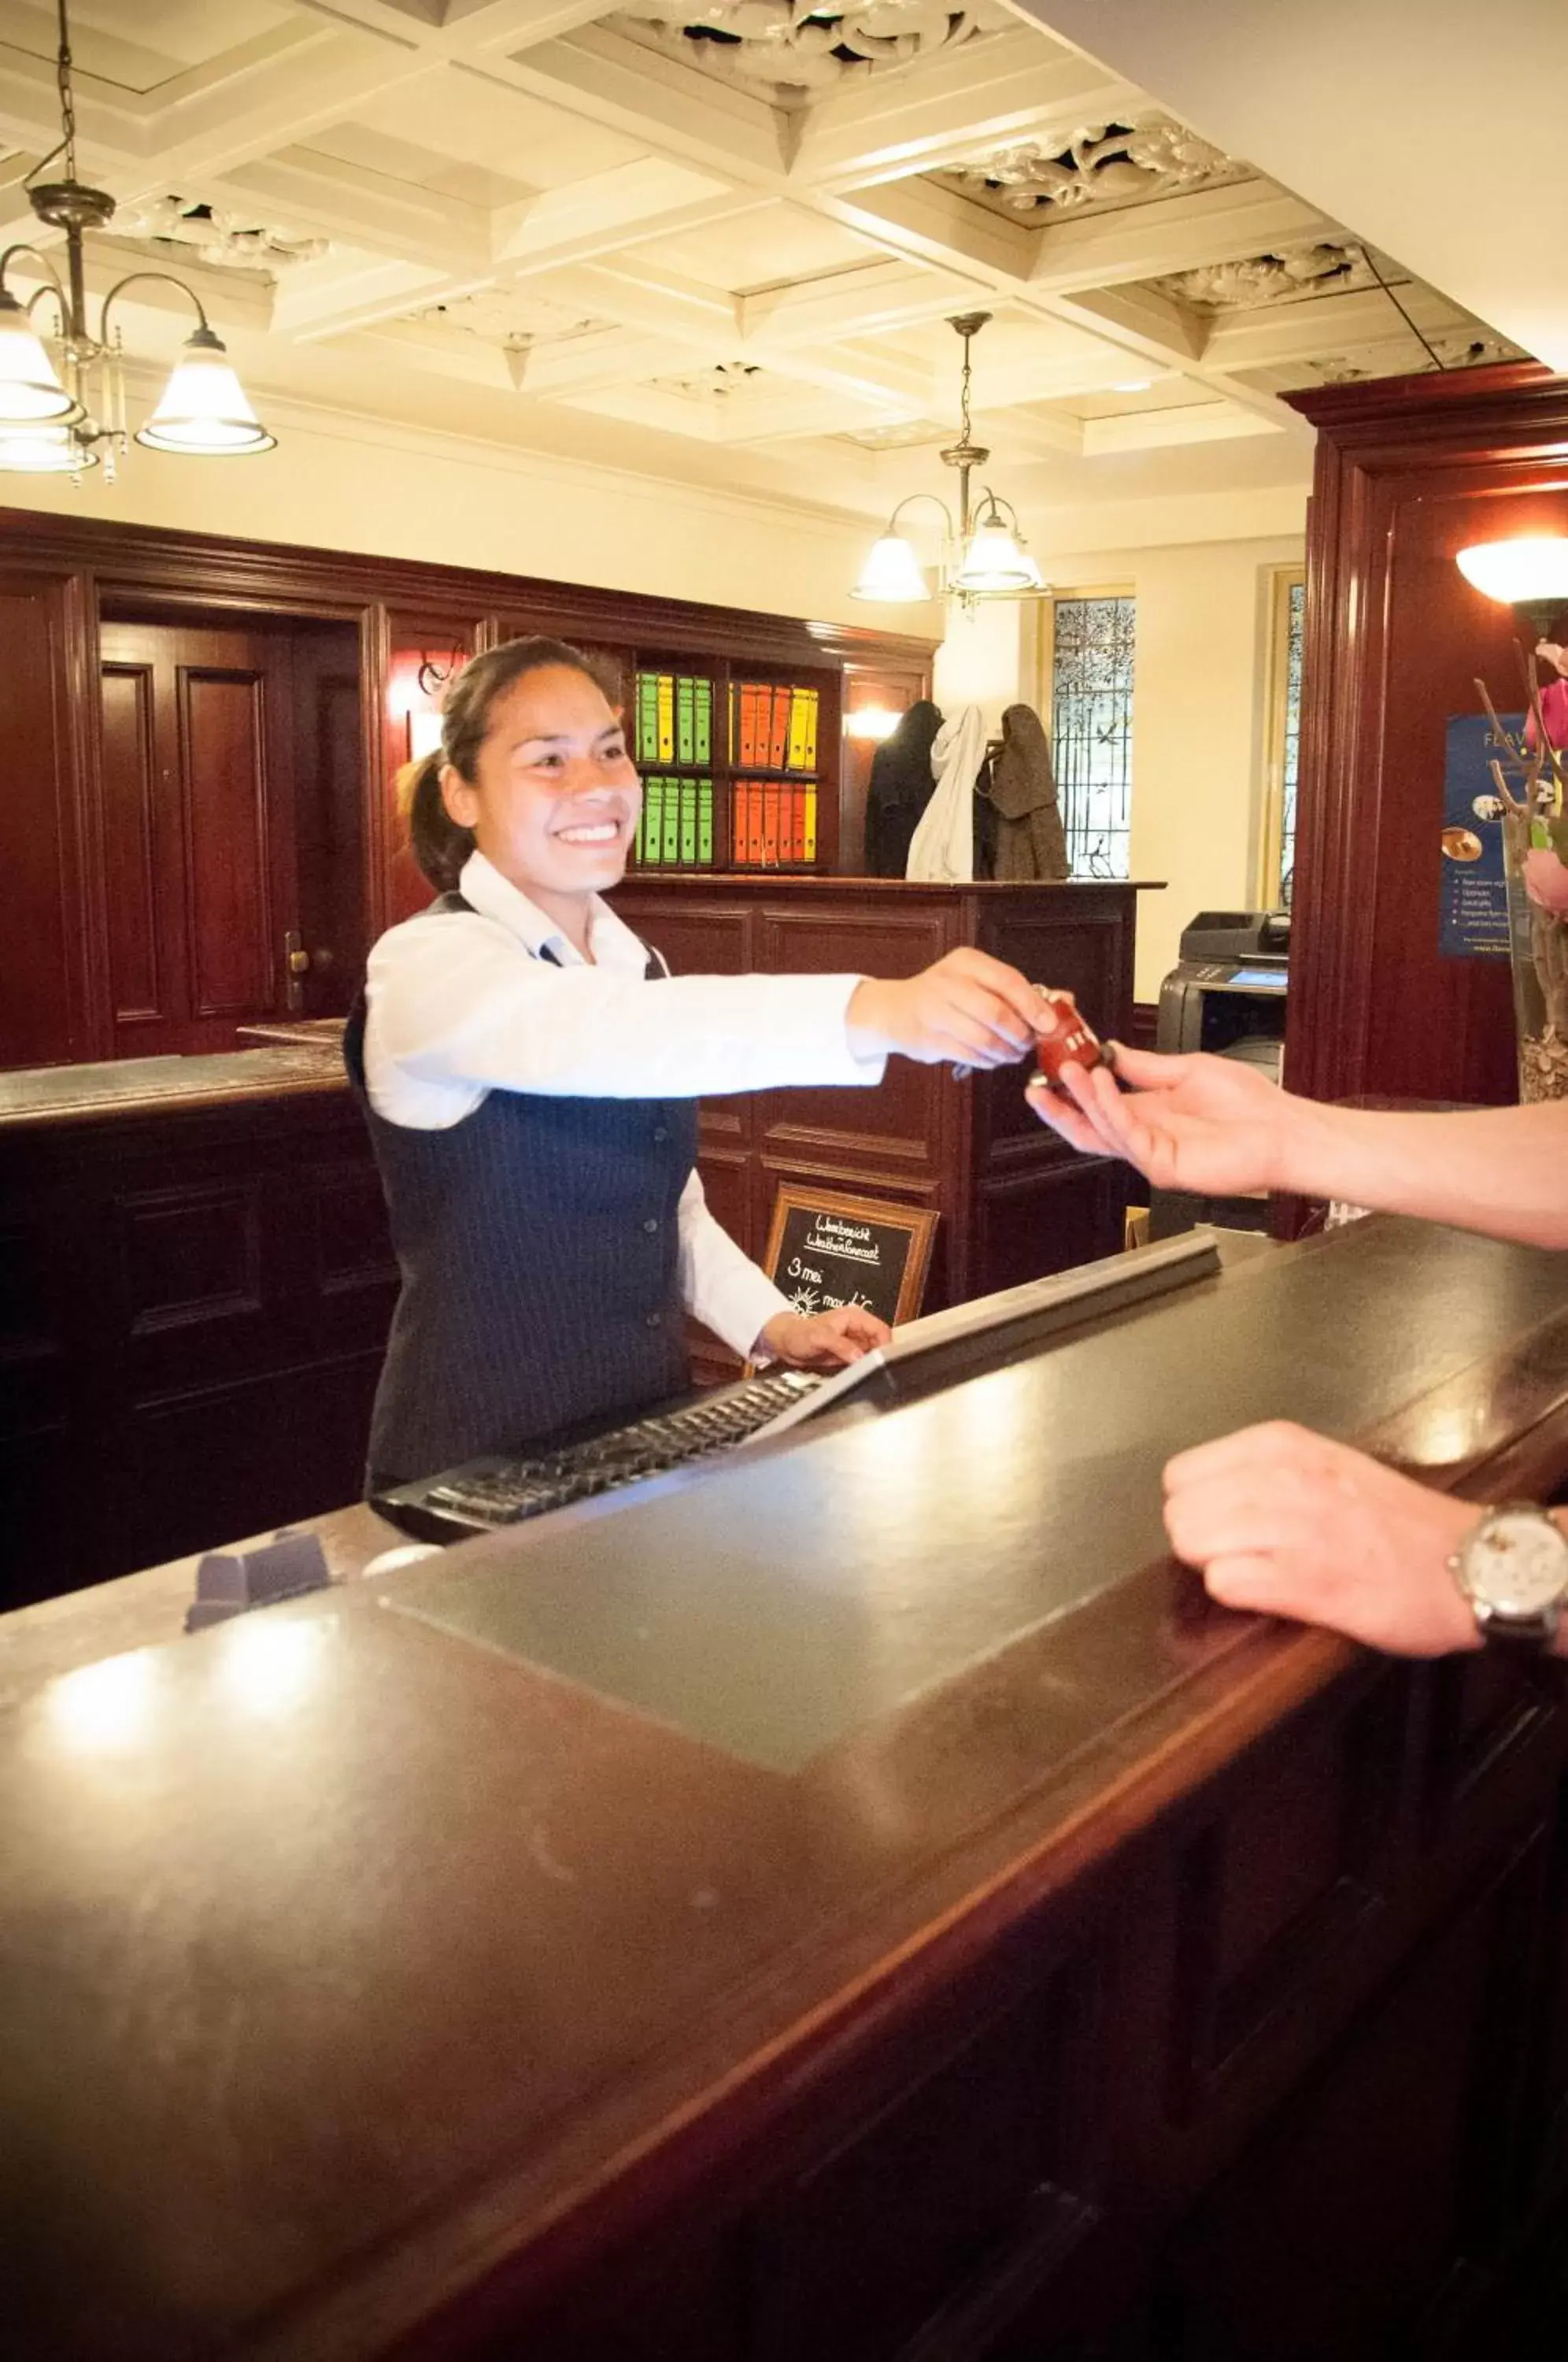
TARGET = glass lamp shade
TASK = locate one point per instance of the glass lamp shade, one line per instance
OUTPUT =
(206, 411)
(992, 561)
(1533, 568)
(43, 451)
(31, 393)
(892, 574)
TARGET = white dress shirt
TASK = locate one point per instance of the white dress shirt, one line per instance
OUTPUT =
(461, 1003)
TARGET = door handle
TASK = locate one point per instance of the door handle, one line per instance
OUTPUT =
(296, 963)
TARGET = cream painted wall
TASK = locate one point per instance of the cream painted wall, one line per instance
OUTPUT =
(1198, 724)
(361, 484)
(983, 659)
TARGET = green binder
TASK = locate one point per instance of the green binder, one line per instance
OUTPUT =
(648, 718)
(705, 822)
(650, 836)
(671, 852)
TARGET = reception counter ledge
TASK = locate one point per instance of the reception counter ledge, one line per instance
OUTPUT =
(855, 1901)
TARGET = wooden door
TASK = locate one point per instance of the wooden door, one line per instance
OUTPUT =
(199, 833)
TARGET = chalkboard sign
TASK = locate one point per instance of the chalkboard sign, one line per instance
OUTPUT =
(825, 1250)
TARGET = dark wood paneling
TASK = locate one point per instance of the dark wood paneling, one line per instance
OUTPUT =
(235, 932)
(329, 817)
(192, 1255)
(1408, 472)
(52, 963)
(193, 1308)
(900, 1123)
(890, 688)
(1350, 2226)
(58, 1003)
(136, 940)
(198, 744)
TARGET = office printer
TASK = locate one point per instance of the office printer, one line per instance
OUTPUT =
(1226, 994)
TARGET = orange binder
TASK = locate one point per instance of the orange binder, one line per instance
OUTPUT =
(770, 795)
(778, 732)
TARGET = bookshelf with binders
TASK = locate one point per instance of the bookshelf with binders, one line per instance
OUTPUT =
(738, 765)
(671, 712)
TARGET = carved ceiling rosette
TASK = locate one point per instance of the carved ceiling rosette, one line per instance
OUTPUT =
(792, 51)
(228, 241)
(1096, 167)
(1296, 272)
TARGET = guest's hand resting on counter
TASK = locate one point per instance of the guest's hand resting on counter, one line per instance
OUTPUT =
(967, 1007)
(822, 1340)
(1287, 1523)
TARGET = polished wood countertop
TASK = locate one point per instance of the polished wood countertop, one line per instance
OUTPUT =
(37, 1097)
(393, 1944)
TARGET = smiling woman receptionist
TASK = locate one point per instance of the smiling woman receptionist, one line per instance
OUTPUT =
(531, 1070)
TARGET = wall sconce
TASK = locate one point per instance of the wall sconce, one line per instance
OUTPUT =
(873, 723)
(1530, 573)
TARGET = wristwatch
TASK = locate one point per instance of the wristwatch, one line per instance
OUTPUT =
(1513, 1569)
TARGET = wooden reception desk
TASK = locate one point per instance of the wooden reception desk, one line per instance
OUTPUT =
(195, 1273)
(854, 1902)
(195, 1283)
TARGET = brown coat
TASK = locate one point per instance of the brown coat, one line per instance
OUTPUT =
(1030, 842)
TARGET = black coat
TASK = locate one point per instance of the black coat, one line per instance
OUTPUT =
(902, 786)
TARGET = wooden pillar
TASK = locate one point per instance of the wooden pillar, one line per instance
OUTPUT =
(1410, 470)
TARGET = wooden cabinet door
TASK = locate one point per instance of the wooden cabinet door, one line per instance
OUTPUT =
(199, 833)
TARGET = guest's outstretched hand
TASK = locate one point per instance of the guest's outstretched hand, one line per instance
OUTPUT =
(1207, 1124)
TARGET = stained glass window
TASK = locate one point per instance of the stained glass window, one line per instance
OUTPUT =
(1290, 736)
(1091, 729)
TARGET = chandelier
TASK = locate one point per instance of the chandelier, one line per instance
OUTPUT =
(983, 551)
(63, 405)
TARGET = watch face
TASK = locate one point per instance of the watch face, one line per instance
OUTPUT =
(1518, 1563)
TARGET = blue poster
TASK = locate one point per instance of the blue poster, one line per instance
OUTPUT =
(1473, 913)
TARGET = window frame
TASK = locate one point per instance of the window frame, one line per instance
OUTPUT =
(1045, 670)
(1282, 580)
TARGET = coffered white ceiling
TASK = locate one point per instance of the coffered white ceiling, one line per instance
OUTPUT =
(716, 239)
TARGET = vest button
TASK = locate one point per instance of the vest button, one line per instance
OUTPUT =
(661, 1133)
(655, 1321)
(651, 1224)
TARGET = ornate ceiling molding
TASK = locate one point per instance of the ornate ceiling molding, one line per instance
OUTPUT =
(511, 317)
(1289, 277)
(226, 240)
(794, 52)
(1097, 167)
(1456, 349)
(722, 382)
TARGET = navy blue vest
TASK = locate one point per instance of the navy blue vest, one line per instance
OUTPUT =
(539, 1244)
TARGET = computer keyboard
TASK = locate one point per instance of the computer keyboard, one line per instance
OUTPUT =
(485, 1493)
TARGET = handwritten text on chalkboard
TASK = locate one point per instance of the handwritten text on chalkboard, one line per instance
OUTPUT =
(825, 1253)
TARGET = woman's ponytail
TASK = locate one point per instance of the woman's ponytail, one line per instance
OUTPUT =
(436, 841)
